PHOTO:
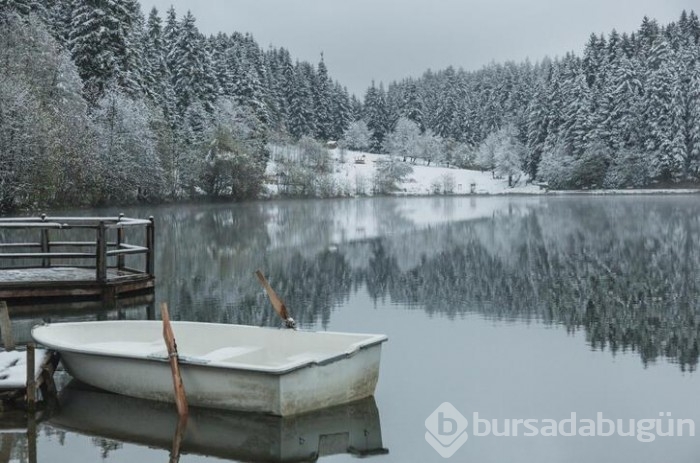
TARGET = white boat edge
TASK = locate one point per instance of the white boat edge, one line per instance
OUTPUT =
(371, 340)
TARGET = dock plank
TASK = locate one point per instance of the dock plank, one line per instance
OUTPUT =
(70, 282)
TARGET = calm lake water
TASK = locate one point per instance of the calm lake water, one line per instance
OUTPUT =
(512, 307)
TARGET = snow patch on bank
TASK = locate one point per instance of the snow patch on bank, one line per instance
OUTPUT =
(353, 174)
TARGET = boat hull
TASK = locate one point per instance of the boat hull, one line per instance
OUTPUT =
(339, 382)
(278, 388)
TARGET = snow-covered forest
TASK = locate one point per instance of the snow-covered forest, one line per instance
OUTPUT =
(102, 104)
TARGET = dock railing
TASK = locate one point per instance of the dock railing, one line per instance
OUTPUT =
(106, 244)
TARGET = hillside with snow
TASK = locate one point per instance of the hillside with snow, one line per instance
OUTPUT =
(353, 174)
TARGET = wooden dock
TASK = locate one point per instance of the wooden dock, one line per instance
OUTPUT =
(23, 373)
(59, 262)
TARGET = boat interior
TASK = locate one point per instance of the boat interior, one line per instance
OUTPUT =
(210, 344)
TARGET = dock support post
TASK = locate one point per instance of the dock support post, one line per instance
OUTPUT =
(31, 377)
(6, 444)
(32, 455)
(120, 240)
(6, 327)
(45, 248)
(44, 243)
(150, 245)
(101, 253)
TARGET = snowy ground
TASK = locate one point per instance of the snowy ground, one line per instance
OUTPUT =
(355, 177)
(425, 180)
(353, 173)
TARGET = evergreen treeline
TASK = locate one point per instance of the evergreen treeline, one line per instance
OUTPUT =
(100, 104)
(626, 113)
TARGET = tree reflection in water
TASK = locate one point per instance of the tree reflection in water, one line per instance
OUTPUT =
(625, 269)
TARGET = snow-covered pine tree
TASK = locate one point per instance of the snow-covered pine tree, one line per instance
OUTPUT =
(659, 130)
(411, 104)
(693, 123)
(322, 102)
(446, 121)
(376, 116)
(23, 7)
(301, 102)
(341, 111)
(192, 75)
(101, 44)
(536, 129)
(171, 30)
(131, 78)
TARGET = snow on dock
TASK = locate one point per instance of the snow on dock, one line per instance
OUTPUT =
(13, 368)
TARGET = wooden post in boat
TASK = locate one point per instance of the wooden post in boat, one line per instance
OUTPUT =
(6, 327)
(31, 377)
(179, 388)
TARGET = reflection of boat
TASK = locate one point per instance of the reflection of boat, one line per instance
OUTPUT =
(350, 428)
(235, 367)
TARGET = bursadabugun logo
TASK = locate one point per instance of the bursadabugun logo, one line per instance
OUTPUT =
(447, 428)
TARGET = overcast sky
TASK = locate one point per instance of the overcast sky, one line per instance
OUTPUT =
(386, 40)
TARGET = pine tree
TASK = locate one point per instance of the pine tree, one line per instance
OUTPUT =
(341, 111)
(171, 31)
(23, 7)
(446, 122)
(131, 78)
(693, 124)
(322, 102)
(193, 79)
(411, 104)
(100, 43)
(536, 130)
(659, 128)
(376, 115)
(301, 102)
(155, 69)
(59, 18)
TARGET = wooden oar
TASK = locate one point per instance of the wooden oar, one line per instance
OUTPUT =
(180, 397)
(277, 303)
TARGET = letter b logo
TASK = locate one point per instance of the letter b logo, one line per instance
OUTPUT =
(446, 430)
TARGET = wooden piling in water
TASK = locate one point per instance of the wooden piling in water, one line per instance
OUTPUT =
(6, 444)
(31, 377)
(6, 327)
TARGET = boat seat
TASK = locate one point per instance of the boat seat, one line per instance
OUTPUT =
(306, 357)
(226, 353)
(151, 349)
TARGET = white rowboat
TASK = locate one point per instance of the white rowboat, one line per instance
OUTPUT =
(235, 367)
